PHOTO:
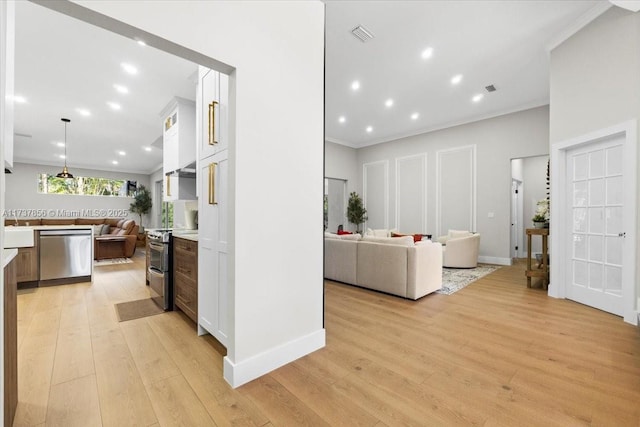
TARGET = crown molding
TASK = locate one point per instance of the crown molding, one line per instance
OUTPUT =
(578, 24)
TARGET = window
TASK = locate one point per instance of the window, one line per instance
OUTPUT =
(85, 186)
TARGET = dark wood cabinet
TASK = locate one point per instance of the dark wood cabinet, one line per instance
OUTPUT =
(147, 253)
(185, 276)
(10, 343)
(27, 263)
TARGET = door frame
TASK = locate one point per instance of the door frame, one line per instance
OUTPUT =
(559, 193)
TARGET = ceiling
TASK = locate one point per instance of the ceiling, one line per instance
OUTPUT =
(500, 43)
(63, 64)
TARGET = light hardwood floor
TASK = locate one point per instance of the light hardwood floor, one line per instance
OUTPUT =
(494, 353)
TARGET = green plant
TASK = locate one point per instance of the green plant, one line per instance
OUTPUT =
(538, 218)
(356, 212)
(141, 204)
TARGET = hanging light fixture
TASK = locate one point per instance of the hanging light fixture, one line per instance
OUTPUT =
(65, 172)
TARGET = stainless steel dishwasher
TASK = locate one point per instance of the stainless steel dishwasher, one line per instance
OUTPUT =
(65, 254)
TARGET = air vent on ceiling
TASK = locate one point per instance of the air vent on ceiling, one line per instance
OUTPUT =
(362, 33)
(490, 88)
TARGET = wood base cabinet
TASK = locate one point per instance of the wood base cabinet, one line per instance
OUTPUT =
(185, 276)
(10, 343)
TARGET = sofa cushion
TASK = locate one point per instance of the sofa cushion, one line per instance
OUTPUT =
(127, 226)
(106, 229)
(399, 241)
(112, 221)
(454, 234)
(97, 230)
(89, 221)
(58, 221)
(416, 237)
(355, 236)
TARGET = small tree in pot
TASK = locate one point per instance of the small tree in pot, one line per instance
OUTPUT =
(141, 204)
(356, 212)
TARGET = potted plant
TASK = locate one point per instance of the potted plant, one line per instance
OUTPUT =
(541, 217)
(141, 204)
(356, 212)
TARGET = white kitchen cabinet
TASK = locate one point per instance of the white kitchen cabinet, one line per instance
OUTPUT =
(179, 148)
(213, 300)
(213, 110)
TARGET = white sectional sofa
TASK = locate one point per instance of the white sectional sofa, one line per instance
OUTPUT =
(394, 265)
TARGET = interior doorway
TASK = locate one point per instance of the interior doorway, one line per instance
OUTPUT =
(529, 184)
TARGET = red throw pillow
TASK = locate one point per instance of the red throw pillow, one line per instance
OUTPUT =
(397, 234)
(341, 232)
(417, 238)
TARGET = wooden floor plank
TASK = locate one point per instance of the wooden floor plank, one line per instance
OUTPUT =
(74, 404)
(496, 353)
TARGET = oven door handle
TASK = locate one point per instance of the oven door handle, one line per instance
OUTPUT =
(155, 271)
(156, 246)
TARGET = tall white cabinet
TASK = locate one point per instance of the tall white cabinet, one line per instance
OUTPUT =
(212, 115)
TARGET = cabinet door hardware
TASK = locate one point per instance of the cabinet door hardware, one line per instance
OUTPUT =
(168, 186)
(212, 123)
(212, 184)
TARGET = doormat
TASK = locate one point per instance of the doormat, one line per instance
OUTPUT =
(454, 279)
(137, 309)
(111, 261)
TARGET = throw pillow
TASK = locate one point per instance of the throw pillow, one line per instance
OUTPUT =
(106, 228)
(97, 230)
(416, 237)
(341, 232)
(458, 233)
(383, 232)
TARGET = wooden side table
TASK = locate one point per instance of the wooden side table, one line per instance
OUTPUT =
(543, 271)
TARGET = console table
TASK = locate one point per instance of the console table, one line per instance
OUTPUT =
(543, 270)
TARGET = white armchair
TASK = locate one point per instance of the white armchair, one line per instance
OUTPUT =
(461, 252)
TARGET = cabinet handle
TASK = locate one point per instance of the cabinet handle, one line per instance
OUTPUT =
(212, 123)
(212, 184)
(168, 186)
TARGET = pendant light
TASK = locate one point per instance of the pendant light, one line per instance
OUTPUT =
(65, 172)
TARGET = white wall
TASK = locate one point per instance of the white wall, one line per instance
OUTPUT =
(497, 141)
(341, 162)
(276, 50)
(534, 177)
(22, 193)
(595, 83)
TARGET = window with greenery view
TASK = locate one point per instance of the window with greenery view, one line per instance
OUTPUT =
(87, 186)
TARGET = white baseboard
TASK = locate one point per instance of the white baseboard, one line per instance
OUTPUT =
(247, 370)
(494, 260)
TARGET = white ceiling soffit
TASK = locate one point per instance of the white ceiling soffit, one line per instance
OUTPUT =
(632, 5)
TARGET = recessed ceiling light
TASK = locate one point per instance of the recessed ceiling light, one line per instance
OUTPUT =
(477, 98)
(369, 129)
(60, 144)
(122, 153)
(147, 148)
(388, 103)
(83, 112)
(19, 99)
(355, 85)
(342, 119)
(121, 89)
(115, 162)
(427, 53)
(141, 43)
(415, 116)
(456, 79)
(62, 156)
(114, 106)
(128, 68)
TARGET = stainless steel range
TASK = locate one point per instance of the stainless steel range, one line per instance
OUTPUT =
(161, 267)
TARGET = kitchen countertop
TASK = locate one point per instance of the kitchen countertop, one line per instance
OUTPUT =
(186, 236)
(8, 255)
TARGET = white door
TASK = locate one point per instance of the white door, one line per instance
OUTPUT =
(598, 275)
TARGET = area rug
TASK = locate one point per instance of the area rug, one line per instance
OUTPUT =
(137, 309)
(454, 279)
(111, 261)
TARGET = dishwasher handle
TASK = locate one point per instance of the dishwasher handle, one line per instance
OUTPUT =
(65, 232)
